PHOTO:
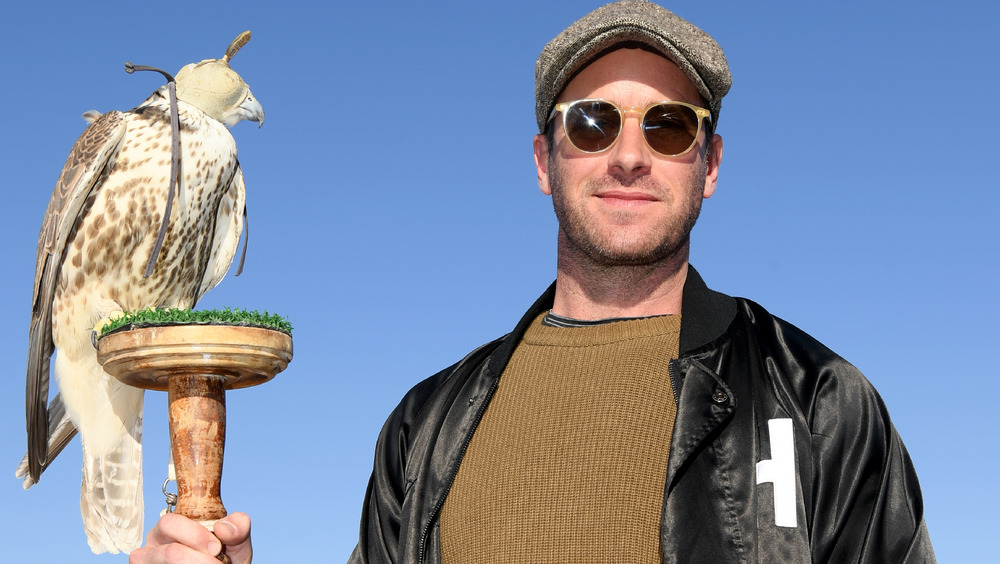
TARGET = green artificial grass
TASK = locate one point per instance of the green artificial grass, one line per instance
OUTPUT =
(227, 316)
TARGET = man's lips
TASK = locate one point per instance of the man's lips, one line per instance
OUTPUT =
(620, 197)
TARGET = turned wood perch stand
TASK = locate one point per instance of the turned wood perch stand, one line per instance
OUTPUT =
(196, 364)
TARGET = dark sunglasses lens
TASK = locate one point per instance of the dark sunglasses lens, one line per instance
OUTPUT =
(670, 129)
(592, 125)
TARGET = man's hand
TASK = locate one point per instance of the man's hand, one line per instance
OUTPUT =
(179, 540)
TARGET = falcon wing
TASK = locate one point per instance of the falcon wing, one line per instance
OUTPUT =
(229, 221)
(91, 155)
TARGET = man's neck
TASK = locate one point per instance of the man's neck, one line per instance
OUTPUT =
(622, 291)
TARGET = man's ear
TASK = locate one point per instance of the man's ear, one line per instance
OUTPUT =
(541, 146)
(712, 166)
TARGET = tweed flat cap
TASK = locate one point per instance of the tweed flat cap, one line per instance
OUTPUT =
(631, 21)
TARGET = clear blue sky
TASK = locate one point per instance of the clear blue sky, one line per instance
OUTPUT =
(396, 220)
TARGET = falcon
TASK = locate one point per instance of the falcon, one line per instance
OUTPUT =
(98, 256)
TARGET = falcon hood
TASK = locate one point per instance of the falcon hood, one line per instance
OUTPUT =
(214, 88)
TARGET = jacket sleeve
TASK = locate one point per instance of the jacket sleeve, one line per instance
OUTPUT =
(378, 542)
(406, 483)
(382, 515)
(867, 506)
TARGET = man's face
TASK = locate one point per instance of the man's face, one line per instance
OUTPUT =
(626, 206)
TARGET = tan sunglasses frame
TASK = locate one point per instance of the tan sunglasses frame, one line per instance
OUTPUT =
(640, 114)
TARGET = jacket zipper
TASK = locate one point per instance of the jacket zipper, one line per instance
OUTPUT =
(670, 376)
(454, 473)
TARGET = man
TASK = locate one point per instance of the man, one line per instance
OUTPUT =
(634, 415)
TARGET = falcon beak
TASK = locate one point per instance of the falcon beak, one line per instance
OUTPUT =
(252, 110)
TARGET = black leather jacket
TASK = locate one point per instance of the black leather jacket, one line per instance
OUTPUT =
(781, 450)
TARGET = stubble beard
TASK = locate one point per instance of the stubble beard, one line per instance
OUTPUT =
(583, 242)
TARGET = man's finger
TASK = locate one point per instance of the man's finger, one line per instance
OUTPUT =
(173, 528)
(234, 531)
(172, 553)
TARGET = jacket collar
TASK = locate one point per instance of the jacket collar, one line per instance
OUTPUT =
(706, 316)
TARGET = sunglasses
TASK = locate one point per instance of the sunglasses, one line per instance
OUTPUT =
(593, 125)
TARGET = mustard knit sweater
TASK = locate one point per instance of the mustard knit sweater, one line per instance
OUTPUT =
(569, 461)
